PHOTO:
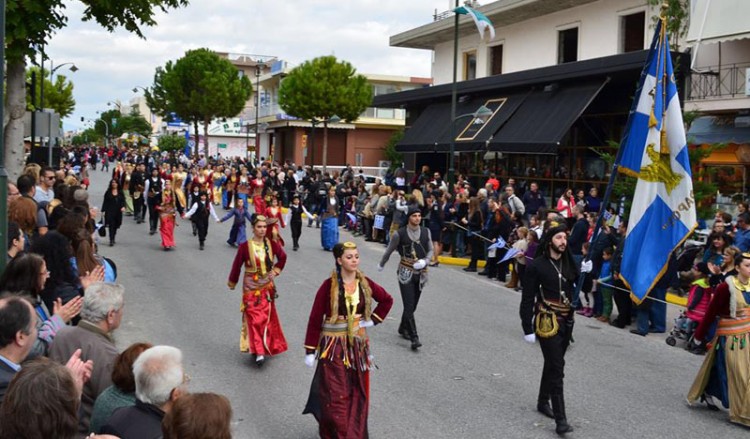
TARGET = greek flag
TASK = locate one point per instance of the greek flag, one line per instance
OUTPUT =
(655, 152)
(483, 23)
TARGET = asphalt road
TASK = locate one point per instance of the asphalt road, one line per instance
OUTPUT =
(474, 377)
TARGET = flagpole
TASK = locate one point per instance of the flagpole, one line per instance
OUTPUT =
(454, 91)
(615, 171)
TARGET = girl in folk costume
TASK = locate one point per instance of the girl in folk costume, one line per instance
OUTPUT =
(275, 218)
(724, 374)
(296, 209)
(217, 178)
(178, 185)
(329, 232)
(261, 330)
(198, 214)
(257, 185)
(243, 189)
(124, 180)
(167, 211)
(336, 336)
(230, 183)
(237, 234)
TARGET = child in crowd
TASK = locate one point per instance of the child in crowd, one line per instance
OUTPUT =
(698, 298)
(605, 291)
(587, 310)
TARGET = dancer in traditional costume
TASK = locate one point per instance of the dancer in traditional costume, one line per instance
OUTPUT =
(167, 212)
(275, 218)
(199, 212)
(296, 209)
(725, 374)
(261, 330)
(230, 185)
(237, 234)
(178, 186)
(124, 180)
(337, 337)
(329, 232)
(217, 179)
(257, 186)
(153, 189)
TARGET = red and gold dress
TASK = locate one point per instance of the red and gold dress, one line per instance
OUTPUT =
(256, 186)
(274, 213)
(261, 332)
(166, 219)
(340, 391)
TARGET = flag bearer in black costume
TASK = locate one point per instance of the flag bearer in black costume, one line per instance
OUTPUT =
(546, 313)
(414, 244)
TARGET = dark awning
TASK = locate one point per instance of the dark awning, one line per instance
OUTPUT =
(431, 132)
(540, 123)
(729, 128)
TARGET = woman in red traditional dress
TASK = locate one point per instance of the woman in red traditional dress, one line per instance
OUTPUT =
(261, 330)
(257, 186)
(336, 336)
(167, 216)
(275, 218)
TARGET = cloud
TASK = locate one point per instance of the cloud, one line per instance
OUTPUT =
(111, 64)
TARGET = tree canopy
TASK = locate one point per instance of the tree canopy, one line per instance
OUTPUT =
(199, 87)
(119, 124)
(323, 87)
(57, 96)
(172, 142)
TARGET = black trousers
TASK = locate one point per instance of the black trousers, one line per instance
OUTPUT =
(139, 209)
(296, 232)
(477, 251)
(112, 232)
(410, 293)
(201, 224)
(153, 217)
(553, 350)
(624, 305)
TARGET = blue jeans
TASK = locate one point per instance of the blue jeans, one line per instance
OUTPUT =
(460, 245)
(652, 316)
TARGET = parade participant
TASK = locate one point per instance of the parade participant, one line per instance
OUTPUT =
(217, 179)
(178, 186)
(138, 184)
(329, 232)
(545, 301)
(296, 209)
(237, 234)
(275, 218)
(230, 185)
(124, 178)
(723, 375)
(336, 336)
(198, 214)
(167, 211)
(261, 333)
(112, 209)
(257, 186)
(414, 245)
(153, 189)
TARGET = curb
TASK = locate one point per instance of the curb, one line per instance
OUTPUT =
(460, 262)
(674, 299)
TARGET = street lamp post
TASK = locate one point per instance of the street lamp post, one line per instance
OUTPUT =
(258, 67)
(106, 131)
(52, 71)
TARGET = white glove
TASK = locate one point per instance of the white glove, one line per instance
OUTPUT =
(366, 323)
(380, 267)
(530, 338)
(587, 266)
(697, 342)
(310, 360)
(420, 264)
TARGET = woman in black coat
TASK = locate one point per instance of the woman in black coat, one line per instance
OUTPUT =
(112, 209)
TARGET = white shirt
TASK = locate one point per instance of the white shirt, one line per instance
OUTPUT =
(41, 195)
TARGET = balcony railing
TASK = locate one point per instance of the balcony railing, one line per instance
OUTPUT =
(719, 82)
(370, 112)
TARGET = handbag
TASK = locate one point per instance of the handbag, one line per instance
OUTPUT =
(101, 229)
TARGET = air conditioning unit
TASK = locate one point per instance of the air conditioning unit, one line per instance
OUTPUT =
(384, 163)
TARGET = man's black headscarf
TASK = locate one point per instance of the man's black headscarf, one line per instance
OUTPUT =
(569, 268)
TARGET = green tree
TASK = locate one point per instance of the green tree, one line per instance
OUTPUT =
(119, 124)
(390, 153)
(57, 96)
(29, 25)
(88, 136)
(199, 87)
(323, 87)
(678, 18)
(172, 143)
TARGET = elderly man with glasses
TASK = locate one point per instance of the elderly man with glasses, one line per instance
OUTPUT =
(160, 380)
(101, 315)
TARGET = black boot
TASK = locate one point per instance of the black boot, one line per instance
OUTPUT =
(415, 343)
(543, 407)
(201, 245)
(558, 407)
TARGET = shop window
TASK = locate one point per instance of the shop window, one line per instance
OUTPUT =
(632, 31)
(567, 45)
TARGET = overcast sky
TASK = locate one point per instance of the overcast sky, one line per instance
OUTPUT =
(111, 64)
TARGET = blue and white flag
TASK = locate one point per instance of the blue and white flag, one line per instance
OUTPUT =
(511, 253)
(352, 217)
(483, 23)
(500, 243)
(655, 151)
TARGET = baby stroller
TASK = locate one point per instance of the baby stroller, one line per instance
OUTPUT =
(680, 331)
